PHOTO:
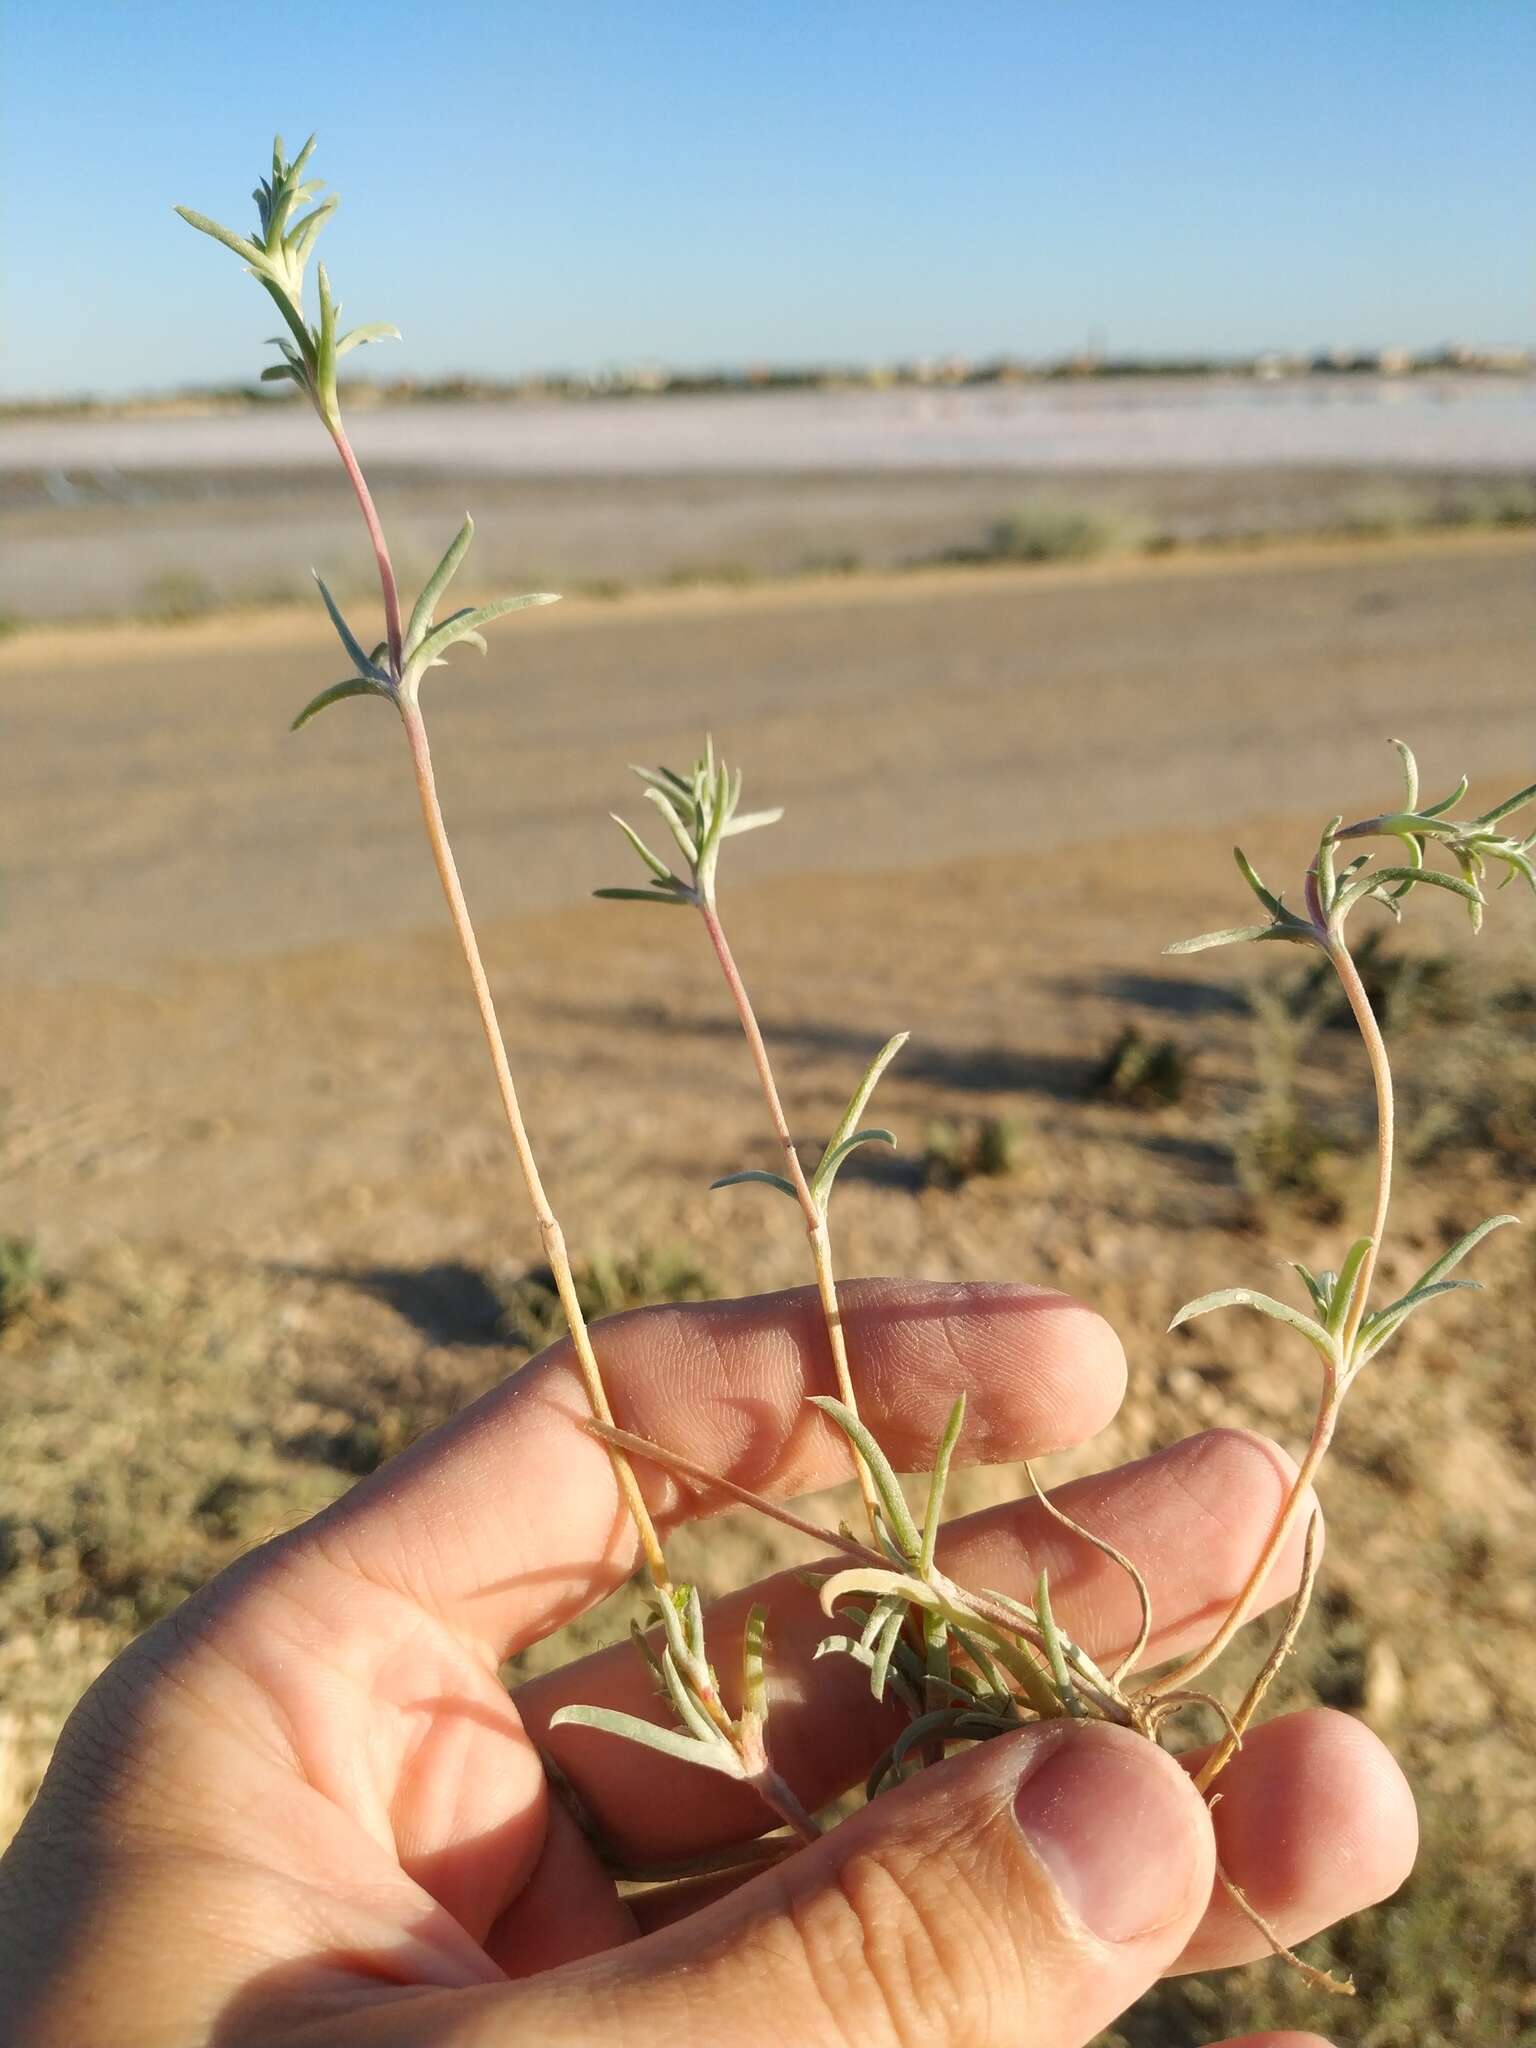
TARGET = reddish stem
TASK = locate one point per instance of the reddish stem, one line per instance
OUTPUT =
(387, 583)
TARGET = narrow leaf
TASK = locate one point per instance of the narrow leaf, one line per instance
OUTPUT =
(832, 1159)
(933, 1513)
(348, 638)
(1245, 1297)
(894, 1502)
(1379, 1328)
(1364, 884)
(751, 821)
(657, 867)
(1344, 1286)
(1319, 1298)
(1446, 803)
(239, 243)
(689, 1712)
(426, 605)
(1230, 937)
(884, 1649)
(1449, 1260)
(675, 825)
(754, 1664)
(644, 896)
(858, 1101)
(465, 622)
(713, 1756)
(861, 1578)
(1055, 1656)
(354, 686)
(1249, 874)
(1513, 803)
(732, 1180)
(1410, 775)
(377, 330)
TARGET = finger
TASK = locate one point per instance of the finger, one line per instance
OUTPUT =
(507, 1521)
(1025, 1894)
(1277, 2041)
(1315, 1822)
(1194, 1517)
(568, 1907)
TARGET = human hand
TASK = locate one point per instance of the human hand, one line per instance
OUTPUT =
(303, 1811)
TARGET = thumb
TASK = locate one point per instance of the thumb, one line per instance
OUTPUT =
(1024, 1893)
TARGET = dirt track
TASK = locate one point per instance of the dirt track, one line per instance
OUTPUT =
(162, 812)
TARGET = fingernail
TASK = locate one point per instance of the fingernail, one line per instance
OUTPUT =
(1115, 1831)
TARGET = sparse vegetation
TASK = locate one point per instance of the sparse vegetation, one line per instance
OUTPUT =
(605, 1285)
(21, 1277)
(956, 1151)
(1141, 1072)
(1042, 531)
(176, 595)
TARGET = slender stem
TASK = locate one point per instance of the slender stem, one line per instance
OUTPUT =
(387, 583)
(1322, 1436)
(550, 1234)
(1381, 1075)
(1237, 1724)
(1337, 1383)
(815, 1222)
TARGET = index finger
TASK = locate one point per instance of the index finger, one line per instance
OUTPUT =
(507, 1521)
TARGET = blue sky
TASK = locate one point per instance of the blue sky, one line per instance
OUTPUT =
(585, 185)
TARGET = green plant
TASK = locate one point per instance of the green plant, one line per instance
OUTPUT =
(1141, 1072)
(964, 1665)
(1047, 532)
(1282, 1150)
(176, 595)
(277, 255)
(605, 1285)
(982, 1148)
(21, 1277)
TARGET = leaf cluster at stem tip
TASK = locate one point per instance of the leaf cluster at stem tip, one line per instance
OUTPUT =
(700, 811)
(277, 255)
(1332, 892)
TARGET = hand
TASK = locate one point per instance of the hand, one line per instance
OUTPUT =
(303, 1812)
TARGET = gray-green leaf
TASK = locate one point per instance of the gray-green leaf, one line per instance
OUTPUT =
(426, 605)
(354, 686)
(734, 1180)
(348, 638)
(712, 1756)
(1282, 1312)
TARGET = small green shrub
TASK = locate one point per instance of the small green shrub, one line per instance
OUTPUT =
(21, 1277)
(604, 1286)
(1141, 1072)
(981, 1148)
(1280, 1153)
(1048, 532)
(176, 595)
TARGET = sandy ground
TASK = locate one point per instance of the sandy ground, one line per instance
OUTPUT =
(247, 1116)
